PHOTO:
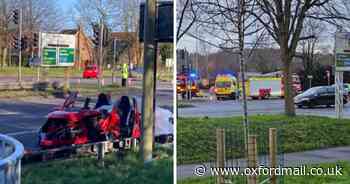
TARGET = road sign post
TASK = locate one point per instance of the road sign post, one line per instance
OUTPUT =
(342, 63)
(339, 94)
(310, 77)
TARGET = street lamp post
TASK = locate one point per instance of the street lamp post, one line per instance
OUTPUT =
(310, 77)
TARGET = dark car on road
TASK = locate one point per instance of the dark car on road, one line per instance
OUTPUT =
(318, 96)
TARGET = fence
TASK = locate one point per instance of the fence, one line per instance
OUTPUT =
(224, 146)
(11, 152)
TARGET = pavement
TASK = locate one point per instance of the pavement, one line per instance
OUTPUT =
(290, 160)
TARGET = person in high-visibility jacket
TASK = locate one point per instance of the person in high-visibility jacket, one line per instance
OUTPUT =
(125, 74)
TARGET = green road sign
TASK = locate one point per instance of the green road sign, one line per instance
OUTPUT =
(49, 56)
(342, 59)
(66, 56)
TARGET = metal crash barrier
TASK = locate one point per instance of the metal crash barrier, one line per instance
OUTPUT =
(11, 153)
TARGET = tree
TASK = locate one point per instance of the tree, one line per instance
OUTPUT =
(284, 21)
(228, 25)
(38, 15)
(308, 47)
(186, 17)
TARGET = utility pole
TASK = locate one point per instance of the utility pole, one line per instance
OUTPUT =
(148, 80)
(20, 47)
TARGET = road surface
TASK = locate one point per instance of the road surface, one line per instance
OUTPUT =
(204, 107)
(75, 80)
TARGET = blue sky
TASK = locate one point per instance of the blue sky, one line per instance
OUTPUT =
(66, 4)
(67, 7)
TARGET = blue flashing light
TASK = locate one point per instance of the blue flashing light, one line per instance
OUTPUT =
(193, 75)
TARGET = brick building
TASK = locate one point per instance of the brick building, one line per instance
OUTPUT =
(84, 52)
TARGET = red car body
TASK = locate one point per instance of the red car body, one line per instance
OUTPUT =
(91, 71)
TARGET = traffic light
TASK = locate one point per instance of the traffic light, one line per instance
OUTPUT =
(96, 38)
(15, 42)
(35, 39)
(15, 16)
(24, 43)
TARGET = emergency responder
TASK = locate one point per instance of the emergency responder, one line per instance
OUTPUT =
(125, 74)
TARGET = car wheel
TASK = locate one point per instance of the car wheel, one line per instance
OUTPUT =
(233, 96)
(300, 106)
(310, 105)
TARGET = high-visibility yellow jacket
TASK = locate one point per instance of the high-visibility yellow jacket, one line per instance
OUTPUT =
(125, 71)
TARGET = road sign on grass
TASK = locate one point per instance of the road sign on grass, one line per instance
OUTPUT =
(57, 49)
(49, 57)
(66, 56)
(342, 51)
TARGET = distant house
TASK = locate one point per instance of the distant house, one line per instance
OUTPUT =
(84, 52)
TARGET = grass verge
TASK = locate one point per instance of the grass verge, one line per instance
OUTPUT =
(51, 72)
(84, 90)
(87, 170)
(325, 179)
(196, 136)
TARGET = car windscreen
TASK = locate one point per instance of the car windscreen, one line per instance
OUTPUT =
(311, 91)
(180, 82)
(223, 84)
(90, 68)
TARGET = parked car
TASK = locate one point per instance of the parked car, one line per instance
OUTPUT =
(91, 71)
(317, 96)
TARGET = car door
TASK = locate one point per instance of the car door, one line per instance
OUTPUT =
(323, 97)
(330, 96)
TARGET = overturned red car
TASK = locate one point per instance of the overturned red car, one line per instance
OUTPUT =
(68, 125)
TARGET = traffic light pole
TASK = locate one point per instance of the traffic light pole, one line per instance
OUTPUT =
(20, 48)
(114, 57)
(100, 77)
(148, 81)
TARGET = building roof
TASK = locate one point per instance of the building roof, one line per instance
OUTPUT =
(69, 31)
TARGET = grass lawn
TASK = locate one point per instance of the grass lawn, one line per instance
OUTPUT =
(196, 136)
(74, 72)
(86, 170)
(51, 72)
(344, 179)
(84, 90)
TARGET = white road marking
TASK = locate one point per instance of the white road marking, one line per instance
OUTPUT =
(22, 133)
(5, 112)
